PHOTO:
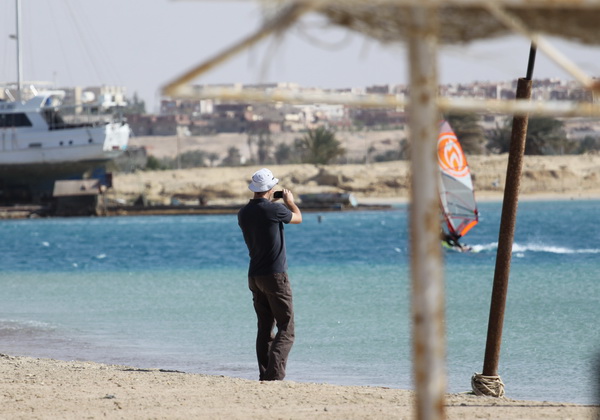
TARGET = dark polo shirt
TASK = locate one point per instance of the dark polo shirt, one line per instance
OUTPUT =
(262, 223)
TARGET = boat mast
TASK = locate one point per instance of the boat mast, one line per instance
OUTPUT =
(19, 57)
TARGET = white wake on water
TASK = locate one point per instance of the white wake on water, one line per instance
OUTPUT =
(520, 249)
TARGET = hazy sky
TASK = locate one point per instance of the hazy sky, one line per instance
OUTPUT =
(143, 44)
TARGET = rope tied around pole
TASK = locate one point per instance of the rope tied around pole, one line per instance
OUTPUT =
(487, 386)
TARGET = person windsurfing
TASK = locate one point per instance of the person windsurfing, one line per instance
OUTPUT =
(457, 198)
(451, 240)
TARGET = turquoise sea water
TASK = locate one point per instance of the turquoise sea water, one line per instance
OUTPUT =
(170, 292)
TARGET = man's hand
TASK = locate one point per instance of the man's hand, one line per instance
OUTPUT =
(288, 199)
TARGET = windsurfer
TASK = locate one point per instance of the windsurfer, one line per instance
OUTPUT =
(457, 200)
(451, 240)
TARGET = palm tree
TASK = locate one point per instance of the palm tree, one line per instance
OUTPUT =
(283, 154)
(264, 145)
(319, 146)
(233, 158)
(545, 136)
(499, 137)
(212, 158)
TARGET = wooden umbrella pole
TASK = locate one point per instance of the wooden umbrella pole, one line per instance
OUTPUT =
(426, 259)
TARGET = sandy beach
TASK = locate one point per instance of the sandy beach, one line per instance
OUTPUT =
(48, 389)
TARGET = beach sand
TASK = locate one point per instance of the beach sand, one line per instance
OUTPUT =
(48, 389)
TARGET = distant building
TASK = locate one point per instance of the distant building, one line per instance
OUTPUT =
(179, 106)
(95, 99)
(379, 89)
(208, 116)
(157, 125)
(377, 117)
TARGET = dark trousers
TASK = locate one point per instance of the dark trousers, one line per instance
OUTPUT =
(272, 296)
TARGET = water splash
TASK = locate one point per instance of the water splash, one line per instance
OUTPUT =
(484, 247)
(520, 249)
(552, 249)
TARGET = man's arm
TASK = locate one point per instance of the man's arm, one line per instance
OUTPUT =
(288, 199)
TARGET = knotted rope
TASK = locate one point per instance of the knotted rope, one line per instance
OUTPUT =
(487, 386)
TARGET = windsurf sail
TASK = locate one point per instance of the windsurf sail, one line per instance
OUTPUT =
(459, 208)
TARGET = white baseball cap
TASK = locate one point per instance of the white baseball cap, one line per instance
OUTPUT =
(262, 180)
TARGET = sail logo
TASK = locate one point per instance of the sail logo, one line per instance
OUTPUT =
(451, 158)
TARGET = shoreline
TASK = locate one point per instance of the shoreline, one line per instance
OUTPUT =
(489, 198)
(544, 178)
(230, 206)
(48, 388)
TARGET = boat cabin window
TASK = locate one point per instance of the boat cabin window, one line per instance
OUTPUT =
(54, 119)
(18, 119)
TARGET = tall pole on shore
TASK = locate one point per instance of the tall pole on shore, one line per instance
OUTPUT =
(505, 243)
(19, 54)
(427, 297)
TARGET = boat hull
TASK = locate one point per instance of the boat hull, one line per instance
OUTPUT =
(58, 147)
(63, 170)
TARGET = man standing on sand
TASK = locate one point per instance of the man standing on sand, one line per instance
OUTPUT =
(261, 221)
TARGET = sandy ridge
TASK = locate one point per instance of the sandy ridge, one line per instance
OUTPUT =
(549, 177)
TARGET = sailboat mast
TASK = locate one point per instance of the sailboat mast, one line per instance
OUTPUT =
(19, 56)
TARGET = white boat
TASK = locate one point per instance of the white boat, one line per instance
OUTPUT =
(42, 142)
(36, 133)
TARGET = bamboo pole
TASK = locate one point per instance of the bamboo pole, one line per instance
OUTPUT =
(19, 51)
(514, 107)
(426, 259)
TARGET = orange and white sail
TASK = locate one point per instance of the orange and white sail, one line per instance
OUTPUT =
(457, 197)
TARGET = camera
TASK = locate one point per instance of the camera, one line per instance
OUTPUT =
(278, 194)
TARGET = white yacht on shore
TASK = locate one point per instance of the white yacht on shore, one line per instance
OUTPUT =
(36, 133)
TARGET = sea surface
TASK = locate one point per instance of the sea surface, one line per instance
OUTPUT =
(171, 292)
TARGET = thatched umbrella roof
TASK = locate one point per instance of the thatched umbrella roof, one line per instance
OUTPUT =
(460, 21)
